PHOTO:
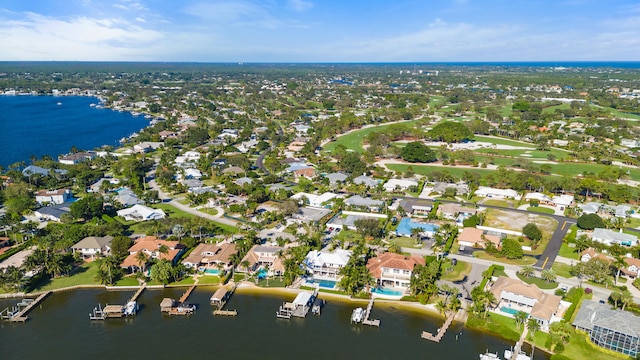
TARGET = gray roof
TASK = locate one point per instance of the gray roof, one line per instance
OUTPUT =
(33, 169)
(593, 314)
(613, 236)
(56, 210)
(244, 180)
(365, 180)
(93, 242)
(358, 200)
(335, 177)
(312, 214)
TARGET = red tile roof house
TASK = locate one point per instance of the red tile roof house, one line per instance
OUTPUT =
(209, 255)
(150, 245)
(309, 172)
(394, 270)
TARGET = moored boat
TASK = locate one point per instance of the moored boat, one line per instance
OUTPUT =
(357, 315)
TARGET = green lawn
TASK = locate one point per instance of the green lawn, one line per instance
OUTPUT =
(538, 282)
(128, 281)
(502, 326)
(501, 203)
(502, 141)
(272, 282)
(209, 211)
(460, 270)
(426, 169)
(542, 210)
(173, 211)
(407, 242)
(562, 269)
(186, 281)
(84, 275)
(354, 140)
(527, 260)
(568, 252)
(209, 280)
(348, 235)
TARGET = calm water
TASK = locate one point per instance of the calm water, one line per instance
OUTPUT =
(61, 329)
(36, 125)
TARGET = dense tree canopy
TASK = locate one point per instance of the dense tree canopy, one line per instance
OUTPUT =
(532, 232)
(590, 222)
(418, 152)
(450, 132)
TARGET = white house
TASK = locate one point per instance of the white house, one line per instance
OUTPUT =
(57, 197)
(141, 213)
(542, 198)
(92, 246)
(325, 264)
(315, 200)
(497, 193)
(399, 184)
(610, 237)
(393, 270)
(562, 201)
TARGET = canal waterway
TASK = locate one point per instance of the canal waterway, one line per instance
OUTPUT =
(60, 328)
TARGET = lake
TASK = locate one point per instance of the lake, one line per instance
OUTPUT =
(37, 125)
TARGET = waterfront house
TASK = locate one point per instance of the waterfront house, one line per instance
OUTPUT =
(393, 270)
(260, 256)
(151, 246)
(59, 196)
(141, 213)
(476, 238)
(611, 329)
(513, 295)
(210, 255)
(77, 158)
(326, 264)
(610, 237)
(93, 246)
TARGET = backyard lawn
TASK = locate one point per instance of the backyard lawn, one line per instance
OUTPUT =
(84, 275)
(538, 282)
(568, 252)
(500, 325)
(561, 269)
(460, 270)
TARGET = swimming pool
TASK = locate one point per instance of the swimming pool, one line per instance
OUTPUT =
(509, 310)
(262, 274)
(328, 284)
(406, 224)
(385, 291)
(210, 271)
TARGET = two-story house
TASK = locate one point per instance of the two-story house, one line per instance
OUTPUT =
(393, 270)
(326, 264)
(153, 248)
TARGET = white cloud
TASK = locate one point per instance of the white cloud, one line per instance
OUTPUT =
(300, 5)
(225, 11)
(37, 37)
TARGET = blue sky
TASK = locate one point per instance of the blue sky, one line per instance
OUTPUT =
(320, 30)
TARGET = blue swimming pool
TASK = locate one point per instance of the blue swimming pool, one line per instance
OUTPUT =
(385, 291)
(211, 271)
(406, 224)
(508, 310)
(328, 284)
(262, 274)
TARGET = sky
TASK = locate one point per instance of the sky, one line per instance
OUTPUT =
(319, 30)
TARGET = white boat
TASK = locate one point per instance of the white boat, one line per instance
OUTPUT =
(59, 103)
(148, 116)
(92, 105)
(357, 315)
(508, 354)
(131, 308)
(489, 356)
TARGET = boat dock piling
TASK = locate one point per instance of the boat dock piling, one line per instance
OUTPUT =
(19, 312)
(171, 307)
(367, 312)
(429, 336)
(186, 294)
(299, 307)
(220, 299)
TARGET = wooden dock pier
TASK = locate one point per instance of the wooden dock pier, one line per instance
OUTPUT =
(367, 313)
(20, 311)
(429, 336)
(180, 307)
(186, 294)
(220, 299)
(138, 293)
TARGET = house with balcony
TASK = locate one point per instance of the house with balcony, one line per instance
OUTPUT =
(93, 246)
(325, 264)
(265, 257)
(393, 270)
(152, 247)
(210, 256)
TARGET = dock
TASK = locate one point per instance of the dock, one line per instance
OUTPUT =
(299, 307)
(441, 331)
(117, 311)
(220, 299)
(19, 312)
(138, 293)
(180, 307)
(366, 316)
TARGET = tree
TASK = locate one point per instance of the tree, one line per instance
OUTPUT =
(582, 242)
(418, 152)
(141, 259)
(548, 275)
(590, 222)
(441, 306)
(120, 246)
(626, 298)
(352, 162)
(161, 272)
(288, 207)
(87, 208)
(450, 132)
(520, 317)
(368, 227)
(597, 269)
(532, 232)
(512, 249)
(527, 271)
(560, 333)
(533, 325)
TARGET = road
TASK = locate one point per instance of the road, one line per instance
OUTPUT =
(551, 251)
(260, 159)
(175, 203)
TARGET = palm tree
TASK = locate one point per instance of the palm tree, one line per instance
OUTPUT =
(245, 264)
(619, 264)
(142, 258)
(626, 298)
(442, 307)
(548, 275)
(527, 271)
(163, 250)
(520, 317)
